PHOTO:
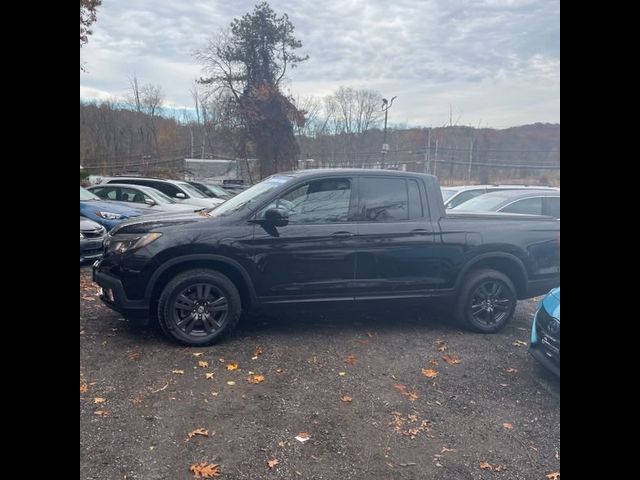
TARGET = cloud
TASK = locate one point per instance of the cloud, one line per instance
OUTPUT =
(496, 61)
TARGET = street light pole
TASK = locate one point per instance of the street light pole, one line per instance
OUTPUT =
(386, 105)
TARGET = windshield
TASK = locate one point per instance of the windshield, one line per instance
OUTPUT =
(447, 193)
(252, 195)
(218, 190)
(483, 203)
(87, 195)
(161, 197)
(192, 191)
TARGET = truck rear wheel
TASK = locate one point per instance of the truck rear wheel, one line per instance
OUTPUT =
(198, 307)
(487, 301)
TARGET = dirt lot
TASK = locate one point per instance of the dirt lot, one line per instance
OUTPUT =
(352, 381)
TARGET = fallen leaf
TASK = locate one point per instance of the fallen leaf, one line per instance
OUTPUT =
(511, 370)
(231, 382)
(134, 356)
(255, 378)
(84, 388)
(258, 351)
(557, 455)
(197, 354)
(214, 394)
(198, 431)
(429, 373)
(485, 466)
(221, 360)
(520, 343)
(302, 437)
(452, 359)
(102, 413)
(205, 470)
(178, 372)
(203, 364)
(508, 426)
(209, 375)
(445, 449)
(346, 398)
(433, 362)
(342, 374)
(272, 463)
(410, 394)
(400, 387)
(138, 400)
(99, 400)
(553, 476)
(232, 366)
(351, 360)
(279, 370)
(500, 468)
(441, 345)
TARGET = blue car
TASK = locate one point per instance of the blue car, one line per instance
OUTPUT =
(108, 214)
(545, 332)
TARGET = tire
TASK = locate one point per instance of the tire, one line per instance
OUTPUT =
(487, 301)
(198, 307)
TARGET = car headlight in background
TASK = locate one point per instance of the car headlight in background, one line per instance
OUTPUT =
(109, 215)
(124, 243)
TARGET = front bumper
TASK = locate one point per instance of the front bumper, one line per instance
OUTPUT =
(537, 353)
(91, 248)
(113, 295)
(544, 345)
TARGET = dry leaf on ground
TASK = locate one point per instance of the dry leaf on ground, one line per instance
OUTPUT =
(346, 398)
(198, 431)
(232, 366)
(272, 463)
(520, 343)
(231, 382)
(511, 370)
(279, 370)
(258, 351)
(178, 372)
(452, 359)
(203, 364)
(441, 345)
(205, 470)
(351, 360)
(99, 400)
(508, 426)
(102, 413)
(485, 466)
(84, 388)
(302, 437)
(134, 356)
(197, 354)
(445, 449)
(255, 378)
(553, 476)
(209, 375)
(342, 374)
(429, 372)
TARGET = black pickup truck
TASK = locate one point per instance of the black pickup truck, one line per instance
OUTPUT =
(317, 236)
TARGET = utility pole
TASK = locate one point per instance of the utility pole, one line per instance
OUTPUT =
(386, 105)
(470, 159)
(427, 154)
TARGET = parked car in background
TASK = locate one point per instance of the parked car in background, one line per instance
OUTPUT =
(345, 236)
(106, 213)
(454, 196)
(234, 186)
(212, 191)
(530, 202)
(141, 196)
(545, 332)
(177, 190)
(92, 236)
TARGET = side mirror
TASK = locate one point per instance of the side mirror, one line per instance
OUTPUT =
(149, 202)
(278, 217)
(180, 195)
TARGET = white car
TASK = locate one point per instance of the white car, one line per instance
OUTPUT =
(454, 196)
(177, 190)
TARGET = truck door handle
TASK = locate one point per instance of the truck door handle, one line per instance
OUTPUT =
(342, 235)
(420, 231)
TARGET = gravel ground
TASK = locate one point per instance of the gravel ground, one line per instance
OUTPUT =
(351, 379)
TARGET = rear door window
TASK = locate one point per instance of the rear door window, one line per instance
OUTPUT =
(529, 206)
(383, 199)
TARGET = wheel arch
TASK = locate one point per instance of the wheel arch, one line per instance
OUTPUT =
(505, 263)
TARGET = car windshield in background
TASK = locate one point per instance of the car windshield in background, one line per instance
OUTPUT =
(191, 190)
(87, 195)
(163, 197)
(447, 193)
(251, 195)
(483, 203)
(218, 190)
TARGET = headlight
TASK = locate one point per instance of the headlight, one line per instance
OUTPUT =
(109, 215)
(124, 243)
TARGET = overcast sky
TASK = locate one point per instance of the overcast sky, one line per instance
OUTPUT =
(495, 62)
